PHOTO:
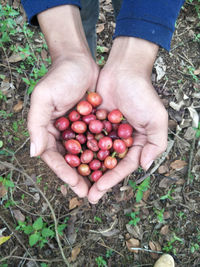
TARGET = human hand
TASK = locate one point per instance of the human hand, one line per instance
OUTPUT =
(72, 73)
(125, 84)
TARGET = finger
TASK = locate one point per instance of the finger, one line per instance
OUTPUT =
(68, 175)
(38, 118)
(113, 177)
(156, 143)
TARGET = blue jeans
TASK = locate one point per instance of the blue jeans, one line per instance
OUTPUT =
(89, 16)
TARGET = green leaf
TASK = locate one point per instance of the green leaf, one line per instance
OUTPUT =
(61, 227)
(26, 81)
(1, 143)
(139, 195)
(33, 239)
(8, 183)
(38, 224)
(47, 232)
(28, 229)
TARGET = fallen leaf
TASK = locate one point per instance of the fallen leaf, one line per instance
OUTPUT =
(166, 215)
(3, 190)
(164, 230)
(71, 231)
(135, 231)
(16, 57)
(166, 182)
(75, 252)
(160, 68)
(18, 107)
(74, 202)
(18, 215)
(3, 239)
(197, 71)
(100, 28)
(133, 243)
(195, 117)
(176, 106)
(178, 164)
(163, 169)
(146, 195)
(190, 133)
(63, 189)
(155, 246)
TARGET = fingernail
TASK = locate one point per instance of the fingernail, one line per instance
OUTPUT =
(148, 165)
(32, 150)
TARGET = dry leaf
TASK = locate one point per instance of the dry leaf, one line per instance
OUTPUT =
(160, 68)
(155, 246)
(3, 239)
(197, 71)
(74, 202)
(164, 230)
(74, 253)
(166, 215)
(176, 106)
(3, 190)
(178, 164)
(18, 107)
(146, 195)
(17, 57)
(195, 117)
(100, 28)
(18, 215)
(133, 243)
(135, 231)
(63, 190)
(166, 182)
(163, 169)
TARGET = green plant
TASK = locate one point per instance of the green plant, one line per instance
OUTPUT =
(160, 214)
(7, 183)
(39, 232)
(197, 131)
(140, 189)
(134, 219)
(169, 246)
(109, 253)
(100, 261)
(194, 247)
(191, 72)
(97, 219)
(168, 195)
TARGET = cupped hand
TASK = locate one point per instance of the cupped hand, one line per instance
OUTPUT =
(128, 90)
(62, 87)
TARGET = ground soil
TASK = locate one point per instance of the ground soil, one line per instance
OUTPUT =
(94, 230)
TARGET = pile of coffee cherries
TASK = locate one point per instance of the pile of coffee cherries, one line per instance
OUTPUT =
(95, 139)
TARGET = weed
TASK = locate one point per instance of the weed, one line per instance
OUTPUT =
(168, 195)
(197, 131)
(160, 214)
(97, 219)
(39, 232)
(100, 261)
(169, 246)
(6, 182)
(134, 219)
(109, 253)
(140, 189)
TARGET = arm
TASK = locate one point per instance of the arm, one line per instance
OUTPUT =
(72, 73)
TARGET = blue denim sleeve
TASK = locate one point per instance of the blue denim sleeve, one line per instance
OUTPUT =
(152, 20)
(33, 7)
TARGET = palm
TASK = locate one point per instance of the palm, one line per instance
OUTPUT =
(63, 86)
(140, 105)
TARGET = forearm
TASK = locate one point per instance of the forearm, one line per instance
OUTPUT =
(133, 54)
(63, 31)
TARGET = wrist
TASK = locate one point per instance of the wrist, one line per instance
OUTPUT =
(133, 54)
(63, 32)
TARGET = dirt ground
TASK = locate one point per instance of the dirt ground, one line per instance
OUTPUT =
(167, 219)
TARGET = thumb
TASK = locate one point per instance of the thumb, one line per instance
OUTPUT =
(156, 144)
(38, 119)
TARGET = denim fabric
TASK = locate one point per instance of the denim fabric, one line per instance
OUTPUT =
(89, 16)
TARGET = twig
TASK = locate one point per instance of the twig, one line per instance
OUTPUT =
(22, 145)
(8, 257)
(106, 230)
(190, 160)
(28, 259)
(148, 250)
(103, 245)
(160, 161)
(8, 165)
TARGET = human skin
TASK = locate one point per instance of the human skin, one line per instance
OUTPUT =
(125, 84)
(72, 73)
